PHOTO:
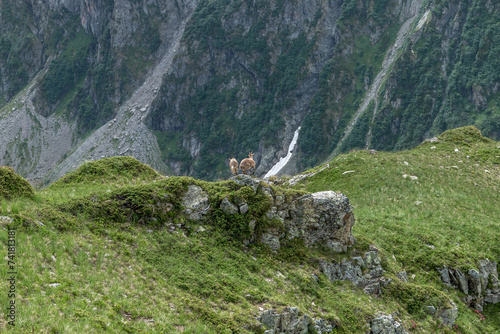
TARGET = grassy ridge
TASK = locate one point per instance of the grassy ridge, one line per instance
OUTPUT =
(83, 271)
(448, 216)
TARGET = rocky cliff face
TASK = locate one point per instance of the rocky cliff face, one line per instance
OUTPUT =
(444, 77)
(184, 85)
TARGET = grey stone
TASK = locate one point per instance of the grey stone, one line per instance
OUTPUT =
(372, 259)
(462, 282)
(445, 276)
(271, 240)
(359, 261)
(376, 272)
(480, 286)
(247, 180)
(288, 317)
(228, 207)
(352, 270)
(195, 202)
(492, 297)
(323, 218)
(321, 326)
(270, 319)
(342, 271)
(449, 315)
(319, 219)
(495, 283)
(474, 282)
(299, 326)
(292, 322)
(487, 268)
(372, 289)
(402, 276)
(336, 247)
(386, 324)
(243, 208)
(6, 219)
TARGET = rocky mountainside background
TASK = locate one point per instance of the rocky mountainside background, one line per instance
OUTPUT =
(185, 85)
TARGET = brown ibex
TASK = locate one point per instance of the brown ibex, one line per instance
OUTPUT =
(233, 164)
(248, 163)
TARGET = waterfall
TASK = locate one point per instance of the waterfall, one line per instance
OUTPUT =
(283, 161)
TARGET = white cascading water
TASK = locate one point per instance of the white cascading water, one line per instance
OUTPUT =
(283, 161)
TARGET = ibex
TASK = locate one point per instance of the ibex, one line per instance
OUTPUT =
(248, 163)
(233, 164)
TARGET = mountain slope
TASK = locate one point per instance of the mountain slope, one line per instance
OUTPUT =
(184, 85)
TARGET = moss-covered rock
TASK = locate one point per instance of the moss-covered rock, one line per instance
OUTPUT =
(466, 135)
(13, 185)
(142, 204)
(109, 170)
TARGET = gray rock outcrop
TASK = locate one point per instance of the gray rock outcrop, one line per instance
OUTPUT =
(386, 324)
(323, 218)
(292, 321)
(364, 272)
(195, 202)
(481, 286)
(449, 315)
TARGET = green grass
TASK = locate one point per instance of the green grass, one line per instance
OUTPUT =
(120, 271)
(453, 205)
(448, 216)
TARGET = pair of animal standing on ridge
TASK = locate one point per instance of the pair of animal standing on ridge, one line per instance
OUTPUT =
(245, 165)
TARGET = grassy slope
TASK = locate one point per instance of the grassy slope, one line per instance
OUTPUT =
(448, 216)
(134, 276)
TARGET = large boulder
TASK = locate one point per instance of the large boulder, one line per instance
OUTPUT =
(319, 219)
(324, 218)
